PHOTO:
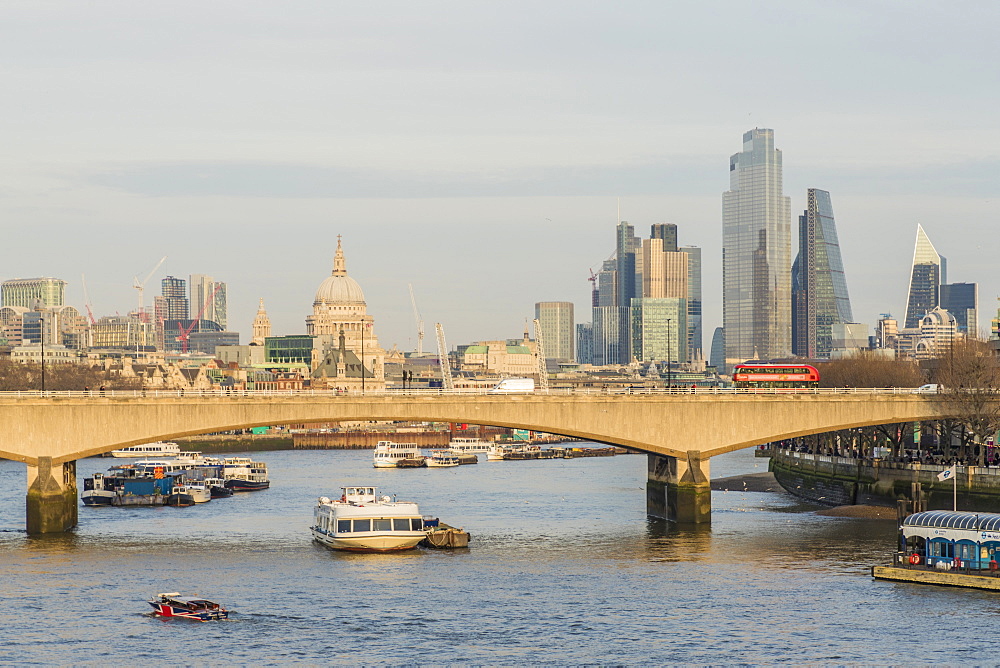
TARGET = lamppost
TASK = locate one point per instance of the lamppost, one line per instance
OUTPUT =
(362, 357)
(41, 330)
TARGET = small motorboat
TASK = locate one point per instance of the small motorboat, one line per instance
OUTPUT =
(181, 497)
(217, 488)
(189, 607)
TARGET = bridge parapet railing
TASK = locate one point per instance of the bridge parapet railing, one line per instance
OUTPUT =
(888, 464)
(558, 391)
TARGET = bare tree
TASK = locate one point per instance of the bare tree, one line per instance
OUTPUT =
(970, 377)
(60, 377)
(866, 369)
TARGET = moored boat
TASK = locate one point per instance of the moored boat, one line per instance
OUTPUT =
(217, 488)
(244, 475)
(388, 454)
(446, 537)
(361, 521)
(128, 487)
(441, 459)
(181, 496)
(172, 604)
(463, 444)
(157, 449)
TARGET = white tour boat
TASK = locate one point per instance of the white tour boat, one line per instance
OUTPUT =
(158, 449)
(388, 453)
(473, 445)
(496, 452)
(442, 459)
(360, 521)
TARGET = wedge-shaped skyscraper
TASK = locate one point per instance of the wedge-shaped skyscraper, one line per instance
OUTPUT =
(930, 270)
(819, 287)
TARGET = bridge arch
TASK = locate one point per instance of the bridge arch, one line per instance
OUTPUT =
(679, 432)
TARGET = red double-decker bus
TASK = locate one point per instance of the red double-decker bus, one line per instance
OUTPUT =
(775, 375)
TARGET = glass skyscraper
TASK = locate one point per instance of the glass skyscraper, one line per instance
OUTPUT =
(819, 287)
(625, 247)
(962, 301)
(756, 254)
(929, 271)
(694, 302)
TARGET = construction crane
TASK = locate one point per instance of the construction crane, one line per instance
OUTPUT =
(543, 372)
(594, 294)
(443, 358)
(86, 300)
(185, 332)
(141, 287)
(420, 323)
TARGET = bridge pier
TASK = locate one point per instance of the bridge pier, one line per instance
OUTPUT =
(679, 489)
(51, 503)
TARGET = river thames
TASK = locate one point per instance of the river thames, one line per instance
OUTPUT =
(564, 568)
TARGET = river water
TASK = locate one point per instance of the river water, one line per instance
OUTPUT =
(564, 568)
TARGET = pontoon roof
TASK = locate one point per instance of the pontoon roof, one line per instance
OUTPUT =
(954, 520)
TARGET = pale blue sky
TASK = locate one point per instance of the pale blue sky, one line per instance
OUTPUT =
(476, 150)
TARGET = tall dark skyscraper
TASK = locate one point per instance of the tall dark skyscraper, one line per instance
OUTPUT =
(962, 301)
(625, 289)
(668, 233)
(819, 287)
(175, 297)
(929, 271)
(756, 254)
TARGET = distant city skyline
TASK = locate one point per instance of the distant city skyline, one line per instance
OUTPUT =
(470, 154)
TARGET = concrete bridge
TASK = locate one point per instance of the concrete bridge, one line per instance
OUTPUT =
(680, 432)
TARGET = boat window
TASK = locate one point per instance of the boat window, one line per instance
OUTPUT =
(343, 526)
(362, 525)
(382, 525)
(401, 525)
(416, 524)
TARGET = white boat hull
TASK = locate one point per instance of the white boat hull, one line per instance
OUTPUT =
(385, 464)
(370, 542)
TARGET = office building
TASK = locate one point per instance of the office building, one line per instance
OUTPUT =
(208, 297)
(962, 301)
(819, 286)
(694, 302)
(666, 232)
(32, 293)
(175, 303)
(756, 265)
(717, 356)
(585, 343)
(556, 321)
(625, 287)
(659, 329)
(929, 272)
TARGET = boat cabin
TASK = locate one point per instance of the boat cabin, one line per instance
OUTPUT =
(359, 494)
(963, 539)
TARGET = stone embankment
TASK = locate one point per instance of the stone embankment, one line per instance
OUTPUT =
(840, 481)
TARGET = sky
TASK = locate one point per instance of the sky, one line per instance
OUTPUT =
(480, 151)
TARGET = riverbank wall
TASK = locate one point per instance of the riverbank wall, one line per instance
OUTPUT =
(838, 481)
